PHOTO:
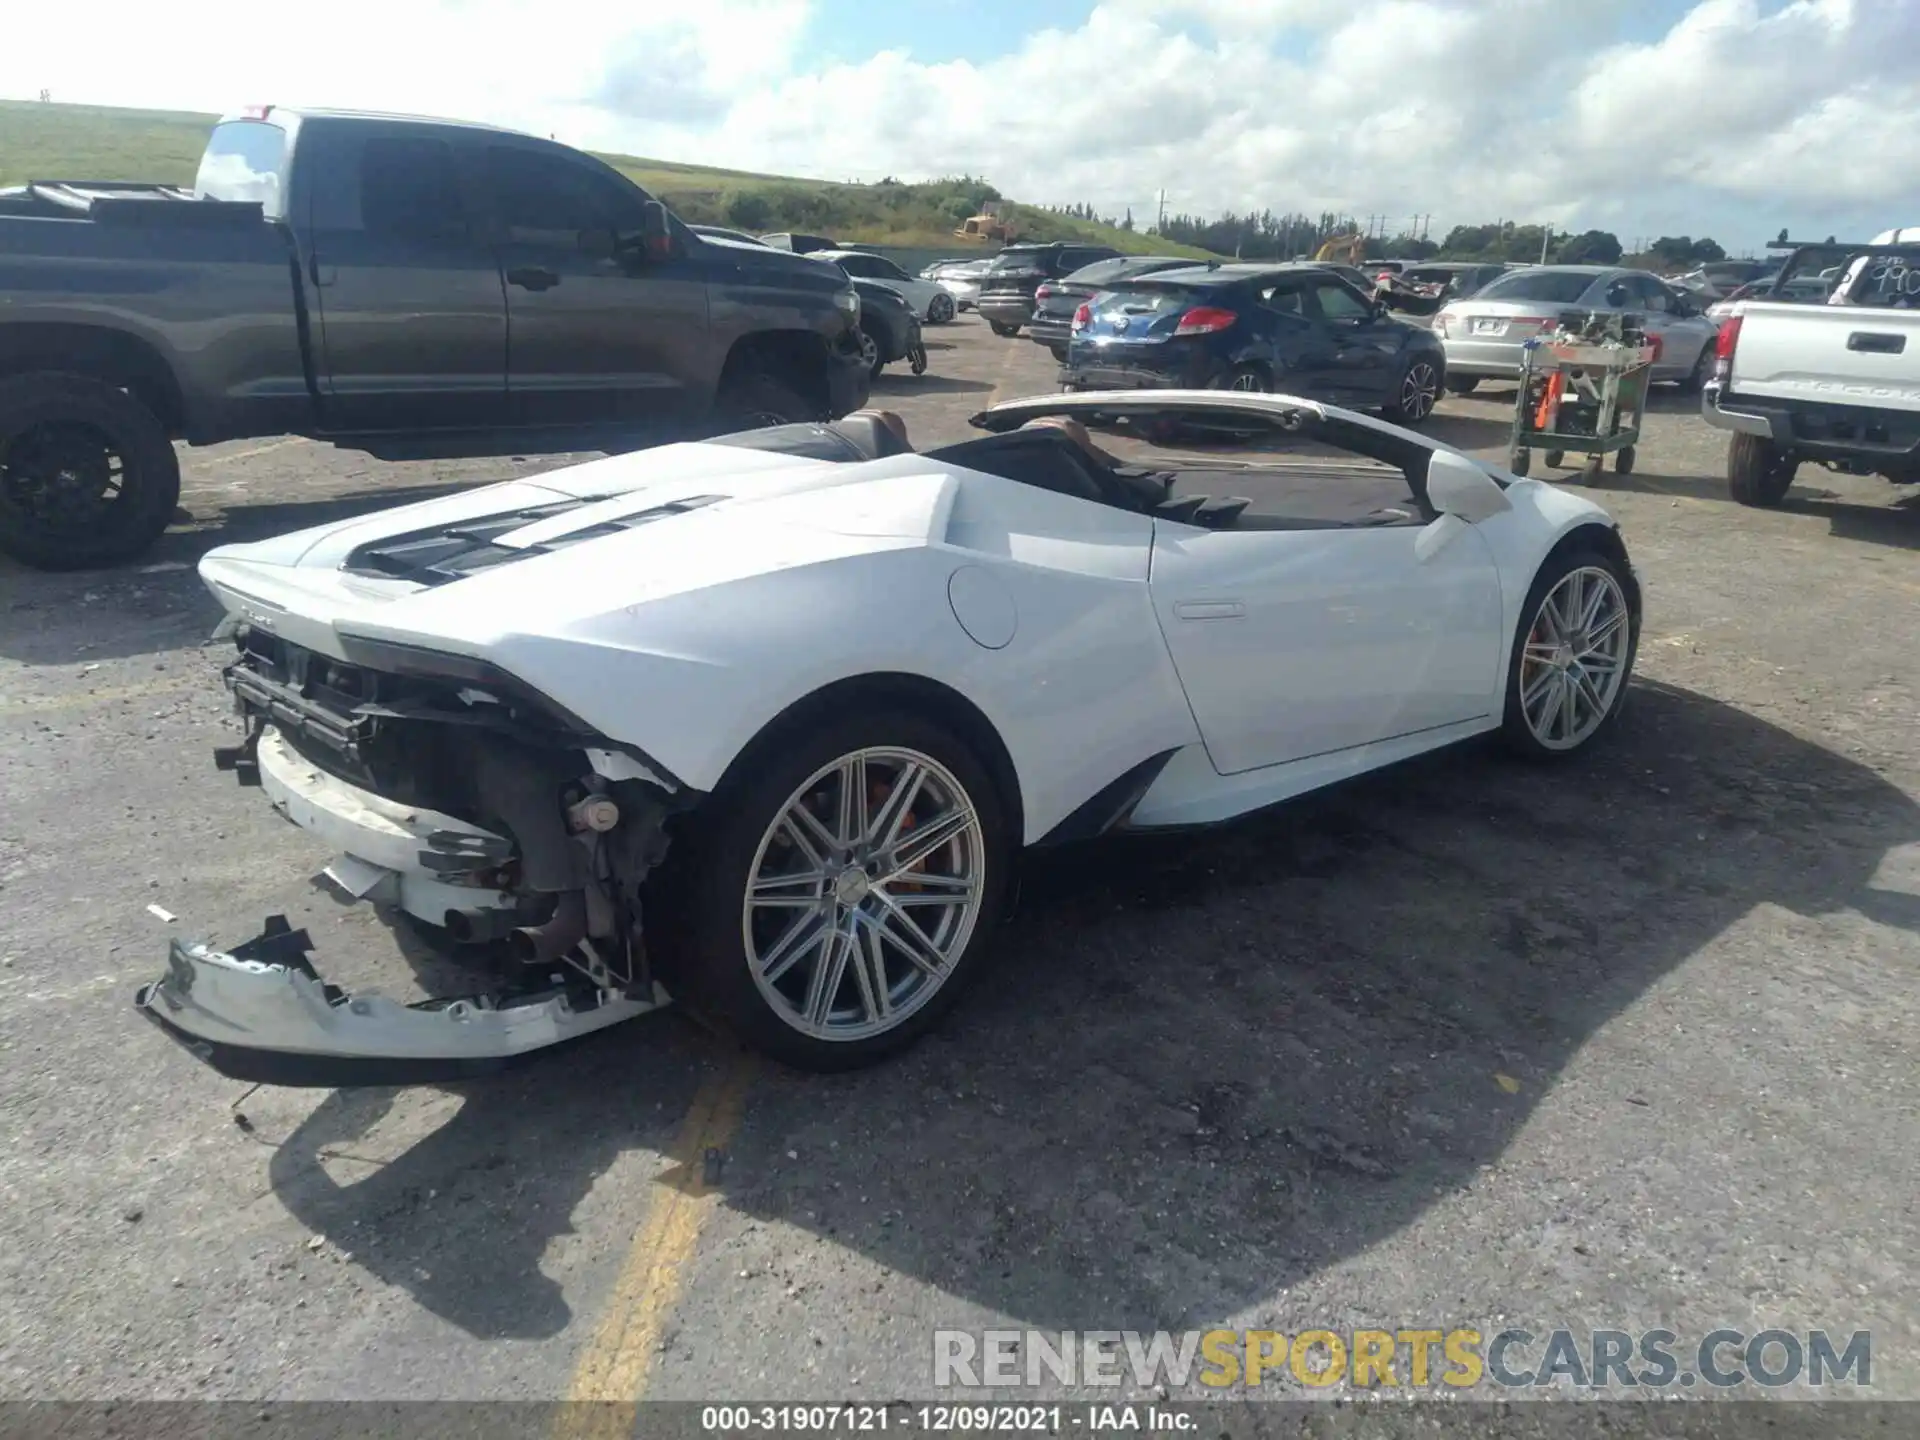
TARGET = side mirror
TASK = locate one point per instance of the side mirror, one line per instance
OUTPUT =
(656, 230)
(1458, 487)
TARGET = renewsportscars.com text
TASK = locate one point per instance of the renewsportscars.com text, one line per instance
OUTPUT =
(1416, 1358)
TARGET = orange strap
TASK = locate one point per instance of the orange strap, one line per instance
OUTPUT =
(1550, 402)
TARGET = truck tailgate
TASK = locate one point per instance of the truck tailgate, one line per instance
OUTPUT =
(1828, 354)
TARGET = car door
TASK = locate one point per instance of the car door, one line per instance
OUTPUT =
(1362, 344)
(410, 321)
(1303, 642)
(1302, 351)
(599, 327)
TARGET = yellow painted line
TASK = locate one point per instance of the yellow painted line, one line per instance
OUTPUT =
(614, 1368)
(254, 450)
(102, 695)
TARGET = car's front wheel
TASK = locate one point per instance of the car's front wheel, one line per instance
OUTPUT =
(837, 887)
(940, 311)
(1572, 656)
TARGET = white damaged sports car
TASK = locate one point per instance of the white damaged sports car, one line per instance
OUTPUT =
(765, 722)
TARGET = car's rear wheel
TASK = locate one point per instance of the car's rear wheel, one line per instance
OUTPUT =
(940, 311)
(1000, 327)
(1415, 394)
(838, 886)
(87, 473)
(1572, 656)
(1248, 380)
(1462, 384)
(1759, 472)
(1696, 378)
(1059, 352)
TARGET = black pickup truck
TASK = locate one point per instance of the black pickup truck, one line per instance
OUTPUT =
(367, 280)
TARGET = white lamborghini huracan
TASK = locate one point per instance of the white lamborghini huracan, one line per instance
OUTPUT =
(765, 721)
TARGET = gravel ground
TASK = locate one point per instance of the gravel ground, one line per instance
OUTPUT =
(1460, 1044)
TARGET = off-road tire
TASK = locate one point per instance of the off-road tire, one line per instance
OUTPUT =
(1759, 472)
(32, 407)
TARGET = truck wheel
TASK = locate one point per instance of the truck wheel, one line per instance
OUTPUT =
(1759, 472)
(1000, 327)
(1462, 384)
(757, 400)
(87, 473)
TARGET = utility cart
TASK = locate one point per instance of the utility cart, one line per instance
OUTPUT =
(1582, 389)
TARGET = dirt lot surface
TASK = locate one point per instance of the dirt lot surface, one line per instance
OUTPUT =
(1625, 1044)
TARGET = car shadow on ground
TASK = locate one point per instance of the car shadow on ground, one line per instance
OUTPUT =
(905, 382)
(1201, 1068)
(1895, 524)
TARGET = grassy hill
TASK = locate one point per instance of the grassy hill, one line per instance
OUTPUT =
(95, 142)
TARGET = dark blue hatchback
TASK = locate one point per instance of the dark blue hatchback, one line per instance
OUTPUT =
(1296, 329)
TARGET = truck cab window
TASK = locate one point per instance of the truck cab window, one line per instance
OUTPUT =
(543, 199)
(409, 190)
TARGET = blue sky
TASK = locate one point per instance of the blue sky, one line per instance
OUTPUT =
(1722, 117)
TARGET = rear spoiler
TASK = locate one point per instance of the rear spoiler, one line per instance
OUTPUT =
(109, 202)
(1829, 253)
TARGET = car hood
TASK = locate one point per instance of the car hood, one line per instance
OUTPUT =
(467, 572)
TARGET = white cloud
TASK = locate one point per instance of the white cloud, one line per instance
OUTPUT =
(1739, 118)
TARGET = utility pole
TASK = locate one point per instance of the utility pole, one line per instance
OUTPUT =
(1546, 238)
(1160, 225)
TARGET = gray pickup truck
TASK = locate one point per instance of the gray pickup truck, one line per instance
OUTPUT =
(368, 280)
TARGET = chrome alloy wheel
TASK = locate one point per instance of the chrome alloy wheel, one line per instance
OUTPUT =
(863, 894)
(1419, 391)
(1575, 658)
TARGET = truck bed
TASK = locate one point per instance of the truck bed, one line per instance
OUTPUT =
(1827, 355)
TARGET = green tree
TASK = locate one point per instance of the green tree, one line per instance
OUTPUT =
(1591, 247)
(749, 209)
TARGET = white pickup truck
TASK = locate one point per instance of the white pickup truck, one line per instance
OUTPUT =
(1838, 384)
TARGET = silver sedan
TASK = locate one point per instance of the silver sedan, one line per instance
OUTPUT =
(1485, 335)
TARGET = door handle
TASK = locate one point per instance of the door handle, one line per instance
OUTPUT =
(1877, 344)
(1209, 609)
(533, 277)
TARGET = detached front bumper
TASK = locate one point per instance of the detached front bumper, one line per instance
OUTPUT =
(261, 1013)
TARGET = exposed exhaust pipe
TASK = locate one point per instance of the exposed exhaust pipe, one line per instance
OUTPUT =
(478, 927)
(545, 944)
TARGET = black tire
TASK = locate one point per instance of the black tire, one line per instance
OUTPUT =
(1248, 380)
(700, 892)
(940, 310)
(1759, 472)
(1000, 327)
(1462, 384)
(1515, 733)
(757, 400)
(1416, 390)
(1552, 458)
(60, 438)
(1059, 352)
(1519, 461)
(873, 349)
(1623, 460)
(1696, 378)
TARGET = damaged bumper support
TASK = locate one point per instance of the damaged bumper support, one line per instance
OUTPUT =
(262, 1013)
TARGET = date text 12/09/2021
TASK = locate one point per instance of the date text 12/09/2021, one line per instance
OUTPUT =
(946, 1419)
